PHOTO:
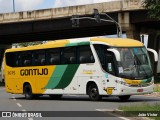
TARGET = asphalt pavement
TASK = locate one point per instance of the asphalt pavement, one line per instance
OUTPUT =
(69, 107)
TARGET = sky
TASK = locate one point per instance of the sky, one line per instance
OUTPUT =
(25, 5)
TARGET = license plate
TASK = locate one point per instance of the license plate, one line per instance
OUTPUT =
(139, 90)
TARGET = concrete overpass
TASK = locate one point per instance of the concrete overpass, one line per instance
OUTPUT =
(52, 24)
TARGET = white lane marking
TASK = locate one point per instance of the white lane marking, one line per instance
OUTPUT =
(2, 88)
(13, 97)
(30, 118)
(19, 105)
(24, 110)
(124, 118)
(103, 110)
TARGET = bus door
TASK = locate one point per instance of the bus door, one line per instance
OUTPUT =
(110, 68)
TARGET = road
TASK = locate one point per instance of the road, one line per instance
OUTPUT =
(10, 102)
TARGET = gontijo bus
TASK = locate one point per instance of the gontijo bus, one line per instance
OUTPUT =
(96, 67)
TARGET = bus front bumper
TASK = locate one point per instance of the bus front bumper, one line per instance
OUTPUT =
(127, 90)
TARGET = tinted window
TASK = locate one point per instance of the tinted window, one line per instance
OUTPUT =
(39, 57)
(69, 55)
(53, 56)
(85, 55)
(11, 59)
(106, 58)
(25, 58)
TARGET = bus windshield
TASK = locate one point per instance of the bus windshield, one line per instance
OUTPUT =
(134, 64)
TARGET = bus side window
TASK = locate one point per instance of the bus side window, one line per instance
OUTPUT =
(85, 54)
(101, 54)
(110, 68)
(11, 59)
(106, 58)
(53, 56)
(27, 62)
(69, 55)
(26, 58)
(39, 57)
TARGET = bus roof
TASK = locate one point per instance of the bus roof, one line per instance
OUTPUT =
(117, 42)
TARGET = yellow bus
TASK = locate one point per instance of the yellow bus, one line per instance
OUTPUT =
(95, 66)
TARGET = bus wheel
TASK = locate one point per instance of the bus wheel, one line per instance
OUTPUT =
(124, 97)
(28, 92)
(93, 92)
(55, 96)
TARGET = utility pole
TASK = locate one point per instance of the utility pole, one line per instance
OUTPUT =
(75, 20)
(13, 6)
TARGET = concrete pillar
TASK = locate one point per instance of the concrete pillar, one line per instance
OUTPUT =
(154, 43)
(131, 30)
(133, 33)
(2, 50)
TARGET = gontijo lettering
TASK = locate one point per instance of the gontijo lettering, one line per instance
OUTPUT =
(31, 72)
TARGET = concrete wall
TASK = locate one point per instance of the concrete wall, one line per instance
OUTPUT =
(116, 6)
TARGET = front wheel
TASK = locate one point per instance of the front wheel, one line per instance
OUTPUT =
(28, 92)
(124, 97)
(93, 93)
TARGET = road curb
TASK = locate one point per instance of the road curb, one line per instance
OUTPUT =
(154, 94)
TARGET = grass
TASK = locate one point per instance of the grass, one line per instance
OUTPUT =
(157, 88)
(134, 110)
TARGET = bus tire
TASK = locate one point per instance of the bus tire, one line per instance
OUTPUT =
(54, 96)
(124, 97)
(93, 92)
(28, 92)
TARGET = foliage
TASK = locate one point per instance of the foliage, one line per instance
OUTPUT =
(25, 44)
(141, 107)
(156, 88)
(134, 109)
(154, 8)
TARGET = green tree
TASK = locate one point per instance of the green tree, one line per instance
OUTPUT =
(154, 8)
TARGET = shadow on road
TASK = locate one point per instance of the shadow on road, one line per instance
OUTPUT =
(104, 99)
(2, 84)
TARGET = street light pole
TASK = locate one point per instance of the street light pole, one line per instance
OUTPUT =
(13, 6)
(75, 21)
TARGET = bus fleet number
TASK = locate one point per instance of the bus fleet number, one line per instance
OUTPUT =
(11, 73)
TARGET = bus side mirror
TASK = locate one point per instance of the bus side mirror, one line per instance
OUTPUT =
(155, 54)
(116, 53)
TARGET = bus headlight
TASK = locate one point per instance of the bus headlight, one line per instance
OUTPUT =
(122, 82)
(152, 81)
